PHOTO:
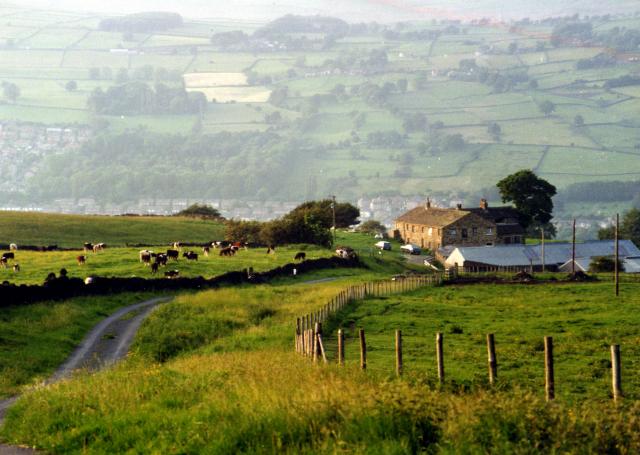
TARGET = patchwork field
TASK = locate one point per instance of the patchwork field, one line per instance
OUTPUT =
(336, 98)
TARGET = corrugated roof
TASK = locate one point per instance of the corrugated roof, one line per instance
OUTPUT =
(432, 216)
(555, 253)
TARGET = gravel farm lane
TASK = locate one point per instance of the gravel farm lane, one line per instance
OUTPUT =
(106, 343)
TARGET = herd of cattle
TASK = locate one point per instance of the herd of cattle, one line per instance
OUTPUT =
(10, 255)
(150, 258)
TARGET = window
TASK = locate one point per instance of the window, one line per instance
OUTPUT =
(453, 231)
(413, 229)
(423, 229)
(430, 232)
(489, 231)
(516, 239)
(507, 240)
(465, 233)
(474, 231)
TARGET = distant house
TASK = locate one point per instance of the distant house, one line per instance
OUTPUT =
(557, 256)
(435, 228)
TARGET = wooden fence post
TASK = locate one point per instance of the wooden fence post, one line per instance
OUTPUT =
(550, 385)
(493, 363)
(321, 348)
(316, 348)
(616, 379)
(399, 352)
(340, 347)
(440, 357)
(298, 335)
(363, 350)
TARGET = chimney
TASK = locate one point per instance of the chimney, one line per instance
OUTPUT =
(459, 206)
(484, 205)
(428, 204)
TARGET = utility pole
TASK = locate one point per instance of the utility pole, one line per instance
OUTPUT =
(542, 242)
(616, 270)
(573, 249)
(333, 208)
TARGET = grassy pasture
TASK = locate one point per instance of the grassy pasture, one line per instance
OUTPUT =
(71, 231)
(230, 383)
(193, 80)
(579, 317)
(124, 262)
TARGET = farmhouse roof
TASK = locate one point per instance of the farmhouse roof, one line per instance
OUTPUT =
(555, 253)
(432, 216)
(505, 217)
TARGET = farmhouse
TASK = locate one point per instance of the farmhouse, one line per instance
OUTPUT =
(434, 228)
(554, 256)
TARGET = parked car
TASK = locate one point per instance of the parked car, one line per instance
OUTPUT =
(411, 249)
(383, 245)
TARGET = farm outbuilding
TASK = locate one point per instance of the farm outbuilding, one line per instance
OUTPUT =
(556, 255)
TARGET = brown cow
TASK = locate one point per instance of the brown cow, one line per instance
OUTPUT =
(82, 259)
(227, 251)
(300, 256)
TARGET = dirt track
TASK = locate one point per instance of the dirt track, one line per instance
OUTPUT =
(106, 343)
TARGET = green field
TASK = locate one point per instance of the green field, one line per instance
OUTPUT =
(124, 262)
(72, 231)
(230, 383)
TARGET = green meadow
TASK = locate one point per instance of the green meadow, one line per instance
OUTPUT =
(72, 231)
(215, 372)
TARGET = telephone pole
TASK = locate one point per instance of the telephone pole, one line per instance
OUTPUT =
(333, 208)
(617, 256)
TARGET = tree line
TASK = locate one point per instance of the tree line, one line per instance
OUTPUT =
(137, 97)
(309, 222)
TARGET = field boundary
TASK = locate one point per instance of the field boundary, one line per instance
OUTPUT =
(308, 330)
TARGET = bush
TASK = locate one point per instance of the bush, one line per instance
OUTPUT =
(604, 264)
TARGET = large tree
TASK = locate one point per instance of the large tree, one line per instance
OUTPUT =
(346, 214)
(531, 196)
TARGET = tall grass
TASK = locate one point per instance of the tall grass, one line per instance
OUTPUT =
(273, 403)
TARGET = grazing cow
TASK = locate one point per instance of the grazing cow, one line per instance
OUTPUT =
(8, 256)
(177, 246)
(300, 256)
(16, 267)
(82, 259)
(271, 249)
(13, 247)
(173, 254)
(99, 247)
(205, 250)
(3, 263)
(161, 259)
(171, 273)
(145, 256)
(227, 251)
(88, 247)
(190, 255)
(154, 268)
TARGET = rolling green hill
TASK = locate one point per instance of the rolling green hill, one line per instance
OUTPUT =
(72, 231)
